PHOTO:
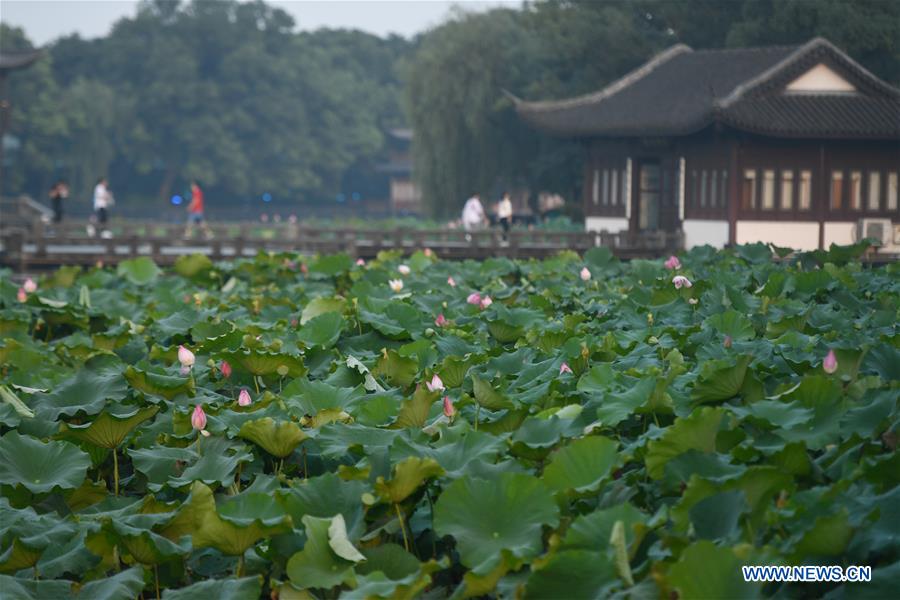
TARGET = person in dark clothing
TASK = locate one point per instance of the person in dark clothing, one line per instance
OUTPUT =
(58, 193)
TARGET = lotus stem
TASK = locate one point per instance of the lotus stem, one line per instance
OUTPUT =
(305, 467)
(156, 579)
(240, 567)
(477, 413)
(115, 472)
(256, 383)
(402, 527)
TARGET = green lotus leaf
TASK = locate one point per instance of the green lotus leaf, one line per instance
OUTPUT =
(146, 546)
(237, 524)
(167, 386)
(70, 557)
(734, 324)
(321, 306)
(721, 569)
(317, 566)
(332, 264)
(393, 319)
(414, 411)
(10, 397)
(139, 271)
(193, 265)
(574, 574)
(720, 382)
(326, 496)
(391, 572)
(97, 382)
(18, 556)
(486, 517)
(408, 475)
(599, 379)
(220, 589)
(122, 586)
(453, 370)
(311, 397)
(615, 407)
(323, 330)
(109, 429)
(695, 432)
(40, 467)
(261, 362)
(26, 535)
(31, 589)
(277, 438)
(487, 396)
(218, 461)
(159, 463)
(582, 465)
(399, 370)
(594, 530)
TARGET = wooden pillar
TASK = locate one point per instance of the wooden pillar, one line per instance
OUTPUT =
(733, 189)
(824, 186)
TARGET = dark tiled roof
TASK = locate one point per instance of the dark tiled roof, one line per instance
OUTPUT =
(18, 60)
(681, 91)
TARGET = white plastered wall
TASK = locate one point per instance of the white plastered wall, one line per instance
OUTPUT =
(799, 235)
(610, 224)
(840, 233)
(820, 79)
(698, 232)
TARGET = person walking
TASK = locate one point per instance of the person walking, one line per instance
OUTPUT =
(195, 212)
(58, 193)
(103, 200)
(473, 216)
(504, 214)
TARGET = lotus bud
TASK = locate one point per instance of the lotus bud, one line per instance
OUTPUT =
(225, 369)
(451, 282)
(693, 301)
(727, 341)
(403, 269)
(441, 320)
(21, 296)
(198, 418)
(360, 262)
(681, 281)
(585, 274)
(294, 322)
(427, 252)
(185, 357)
(564, 368)
(485, 302)
(396, 285)
(244, 398)
(672, 263)
(449, 411)
(29, 286)
(435, 384)
(474, 298)
(830, 363)
(304, 269)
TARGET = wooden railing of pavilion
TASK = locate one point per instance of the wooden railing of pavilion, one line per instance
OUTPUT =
(45, 246)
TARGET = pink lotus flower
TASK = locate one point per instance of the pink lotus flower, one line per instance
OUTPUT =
(672, 263)
(830, 363)
(21, 296)
(435, 384)
(451, 282)
(441, 320)
(294, 322)
(474, 298)
(485, 302)
(396, 285)
(304, 269)
(403, 269)
(244, 398)
(185, 357)
(360, 262)
(427, 252)
(225, 369)
(681, 281)
(449, 411)
(564, 368)
(29, 286)
(198, 418)
(585, 274)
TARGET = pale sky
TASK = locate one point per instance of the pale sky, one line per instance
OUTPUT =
(46, 20)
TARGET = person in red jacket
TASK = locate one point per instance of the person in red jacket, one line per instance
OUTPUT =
(195, 212)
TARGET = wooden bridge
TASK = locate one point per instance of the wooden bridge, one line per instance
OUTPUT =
(30, 245)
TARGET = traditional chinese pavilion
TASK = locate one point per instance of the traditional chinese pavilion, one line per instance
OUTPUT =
(794, 145)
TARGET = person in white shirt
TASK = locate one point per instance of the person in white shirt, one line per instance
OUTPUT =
(473, 216)
(505, 213)
(103, 200)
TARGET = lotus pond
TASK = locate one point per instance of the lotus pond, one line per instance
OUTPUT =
(291, 427)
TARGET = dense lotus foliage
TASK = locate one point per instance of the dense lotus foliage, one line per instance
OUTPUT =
(578, 427)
